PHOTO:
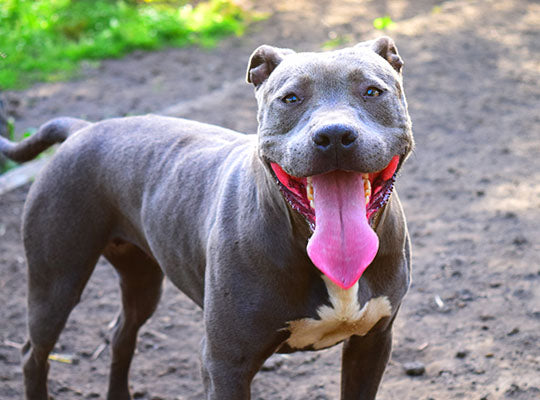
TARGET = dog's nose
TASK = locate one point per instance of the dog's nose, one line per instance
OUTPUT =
(334, 136)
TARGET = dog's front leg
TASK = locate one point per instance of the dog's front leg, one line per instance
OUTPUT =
(228, 366)
(243, 327)
(363, 362)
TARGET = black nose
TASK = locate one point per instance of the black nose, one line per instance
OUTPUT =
(334, 136)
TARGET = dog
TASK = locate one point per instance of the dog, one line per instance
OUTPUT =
(290, 240)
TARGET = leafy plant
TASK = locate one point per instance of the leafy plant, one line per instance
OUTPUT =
(383, 22)
(47, 39)
(336, 42)
(8, 164)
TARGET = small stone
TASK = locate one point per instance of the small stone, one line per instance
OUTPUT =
(487, 317)
(466, 295)
(514, 389)
(459, 262)
(520, 240)
(510, 215)
(168, 371)
(462, 354)
(522, 294)
(414, 368)
(513, 332)
(484, 180)
(479, 371)
(274, 363)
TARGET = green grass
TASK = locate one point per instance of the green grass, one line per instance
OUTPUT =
(46, 40)
(5, 164)
(335, 42)
(8, 165)
(382, 23)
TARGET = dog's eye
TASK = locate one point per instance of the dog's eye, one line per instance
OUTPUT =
(290, 98)
(372, 91)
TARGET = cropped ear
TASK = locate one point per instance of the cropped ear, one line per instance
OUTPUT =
(386, 48)
(263, 61)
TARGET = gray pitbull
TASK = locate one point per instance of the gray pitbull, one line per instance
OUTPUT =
(271, 234)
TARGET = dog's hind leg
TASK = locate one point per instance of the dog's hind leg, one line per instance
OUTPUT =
(58, 270)
(65, 229)
(141, 281)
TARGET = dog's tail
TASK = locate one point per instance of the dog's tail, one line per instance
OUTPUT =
(54, 131)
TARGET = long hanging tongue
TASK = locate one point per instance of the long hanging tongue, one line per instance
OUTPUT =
(343, 244)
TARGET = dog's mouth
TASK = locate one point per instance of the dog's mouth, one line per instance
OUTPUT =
(298, 192)
(340, 206)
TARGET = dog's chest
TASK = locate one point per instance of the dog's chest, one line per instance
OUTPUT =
(339, 321)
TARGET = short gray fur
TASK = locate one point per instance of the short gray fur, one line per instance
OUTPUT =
(162, 196)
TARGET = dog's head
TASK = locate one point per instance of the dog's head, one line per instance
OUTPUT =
(334, 131)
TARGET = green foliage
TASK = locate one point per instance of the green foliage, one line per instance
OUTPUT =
(29, 133)
(9, 164)
(383, 22)
(334, 43)
(5, 164)
(10, 128)
(47, 39)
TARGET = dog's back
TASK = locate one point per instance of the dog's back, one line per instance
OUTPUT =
(110, 168)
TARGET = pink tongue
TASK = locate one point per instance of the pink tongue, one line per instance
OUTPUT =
(343, 244)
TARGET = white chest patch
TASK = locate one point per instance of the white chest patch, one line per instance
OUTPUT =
(339, 321)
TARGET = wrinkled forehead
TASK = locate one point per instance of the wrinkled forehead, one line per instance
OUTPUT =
(357, 63)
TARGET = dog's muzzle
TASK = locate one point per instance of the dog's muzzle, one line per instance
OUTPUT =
(340, 207)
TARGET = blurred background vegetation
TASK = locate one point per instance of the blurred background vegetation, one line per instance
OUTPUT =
(45, 40)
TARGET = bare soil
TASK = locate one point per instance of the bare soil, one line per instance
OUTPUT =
(471, 193)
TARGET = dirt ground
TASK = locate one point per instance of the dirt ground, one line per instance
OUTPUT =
(471, 193)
